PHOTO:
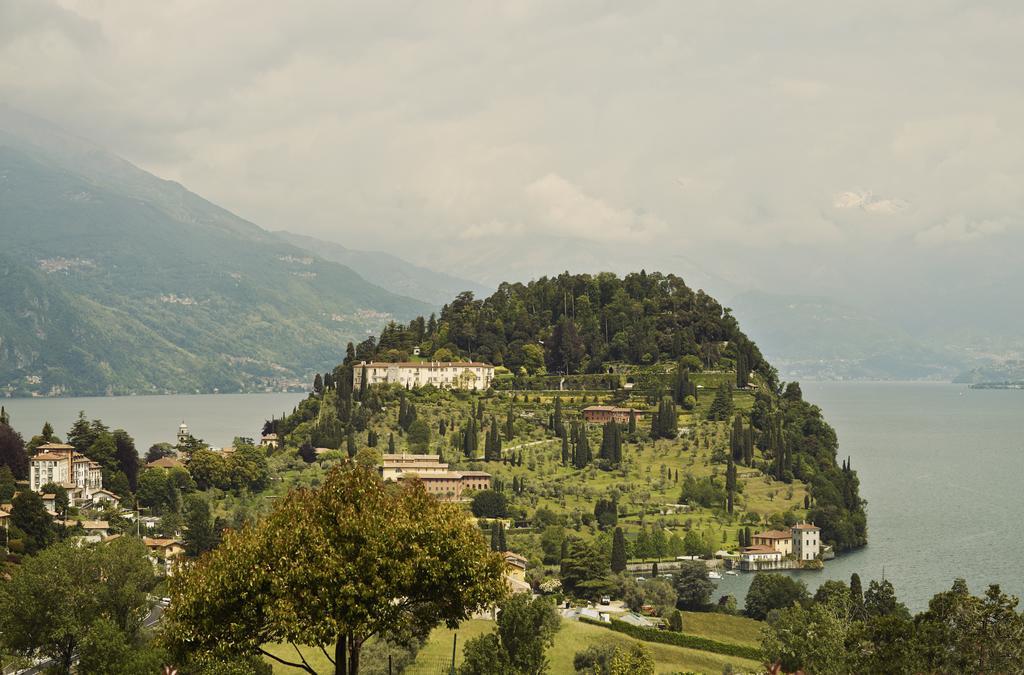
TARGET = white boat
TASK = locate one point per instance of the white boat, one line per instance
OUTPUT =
(714, 575)
(732, 573)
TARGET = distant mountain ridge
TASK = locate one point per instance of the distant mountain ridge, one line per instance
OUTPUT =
(113, 281)
(389, 271)
(819, 338)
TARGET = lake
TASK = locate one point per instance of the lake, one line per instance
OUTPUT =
(940, 466)
(215, 418)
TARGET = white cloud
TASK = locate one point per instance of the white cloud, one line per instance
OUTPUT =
(866, 201)
(563, 208)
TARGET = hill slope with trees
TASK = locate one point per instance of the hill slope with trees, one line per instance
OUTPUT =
(644, 340)
(114, 281)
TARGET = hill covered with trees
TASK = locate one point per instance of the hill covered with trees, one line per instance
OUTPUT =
(577, 324)
(115, 281)
(645, 340)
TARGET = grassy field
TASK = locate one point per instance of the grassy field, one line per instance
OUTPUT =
(575, 637)
(435, 657)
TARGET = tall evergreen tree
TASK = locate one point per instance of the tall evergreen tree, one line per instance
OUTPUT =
(565, 451)
(318, 384)
(632, 421)
(510, 428)
(558, 427)
(721, 408)
(857, 610)
(502, 546)
(350, 442)
(618, 551)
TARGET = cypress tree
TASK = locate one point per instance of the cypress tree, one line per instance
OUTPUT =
(654, 570)
(736, 439)
(618, 551)
(565, 451)
(494, 535)
(632, 421)
(350, 442)
(557, 419)
(856, 598)
(502, 546)
(510, 430)
(730, 484)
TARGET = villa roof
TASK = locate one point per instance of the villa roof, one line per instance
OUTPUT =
(774, 534)
(55, 446)
(759, 549)
(515, 558)
(806, 526)
(608, 408)
(165, 463)
(160, 543)
(427, 364)
(95, 524)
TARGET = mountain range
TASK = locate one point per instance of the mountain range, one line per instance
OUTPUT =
(113, 281)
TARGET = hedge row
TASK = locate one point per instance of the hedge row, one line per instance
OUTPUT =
(678, 639)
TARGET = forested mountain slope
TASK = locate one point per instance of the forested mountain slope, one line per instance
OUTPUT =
(114, 281)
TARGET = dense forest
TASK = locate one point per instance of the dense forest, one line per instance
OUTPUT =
(576, 323)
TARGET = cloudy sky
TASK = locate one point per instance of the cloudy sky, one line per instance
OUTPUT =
(871, 151)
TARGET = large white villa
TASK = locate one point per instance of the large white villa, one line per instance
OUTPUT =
(411, 374)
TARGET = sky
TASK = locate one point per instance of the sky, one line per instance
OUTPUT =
(867, 151)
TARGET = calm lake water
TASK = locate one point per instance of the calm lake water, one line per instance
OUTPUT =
(940, 465)
(215, 418)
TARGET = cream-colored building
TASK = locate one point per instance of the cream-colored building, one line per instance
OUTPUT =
(778, 540)
(60, 464)
(434, 474)
(441, 374)
(806, 541)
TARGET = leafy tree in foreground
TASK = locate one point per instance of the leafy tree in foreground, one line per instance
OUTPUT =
(526, 628)
(365, 559)
(53, 600)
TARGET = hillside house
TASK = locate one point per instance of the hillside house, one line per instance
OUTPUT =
(806, 541)
(600, 414)
(60, 464)
(434, 474)
(411, 374)
(164, 553)
(778, 540)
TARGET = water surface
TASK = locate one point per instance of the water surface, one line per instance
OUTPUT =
(215, 418)
(941, 466)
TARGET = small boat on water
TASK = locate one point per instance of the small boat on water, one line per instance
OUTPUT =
(732, 573)
(714, 575)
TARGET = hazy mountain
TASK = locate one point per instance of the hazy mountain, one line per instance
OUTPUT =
(113, 280)
(389, 271)
(816, 337)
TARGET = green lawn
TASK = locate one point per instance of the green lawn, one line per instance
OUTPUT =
(575, 636)
(723, 627)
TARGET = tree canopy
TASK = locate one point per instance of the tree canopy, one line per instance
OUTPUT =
(363, 558)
